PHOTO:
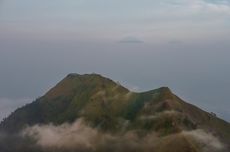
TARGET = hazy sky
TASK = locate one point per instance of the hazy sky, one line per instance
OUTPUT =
(144, 44)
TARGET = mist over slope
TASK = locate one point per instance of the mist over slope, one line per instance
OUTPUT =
(92, 113)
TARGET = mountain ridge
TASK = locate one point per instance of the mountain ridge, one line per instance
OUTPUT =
(111, 108)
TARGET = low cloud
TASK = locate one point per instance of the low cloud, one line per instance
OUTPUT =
(66, 136)
(80, 137)
(207, 141)
(160, 115)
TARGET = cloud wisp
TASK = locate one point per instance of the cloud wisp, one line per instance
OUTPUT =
(207, 141)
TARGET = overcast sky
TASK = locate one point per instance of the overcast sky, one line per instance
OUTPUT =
(144, 44)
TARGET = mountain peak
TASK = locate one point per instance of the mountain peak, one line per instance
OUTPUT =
(166, 93)
(74, 75)
(74, 83)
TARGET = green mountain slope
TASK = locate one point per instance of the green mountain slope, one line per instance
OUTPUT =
(111, 108)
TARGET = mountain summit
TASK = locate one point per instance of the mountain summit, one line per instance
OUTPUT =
(109, 110)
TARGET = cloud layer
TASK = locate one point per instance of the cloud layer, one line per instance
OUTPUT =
(88, 20)
(78, 136)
